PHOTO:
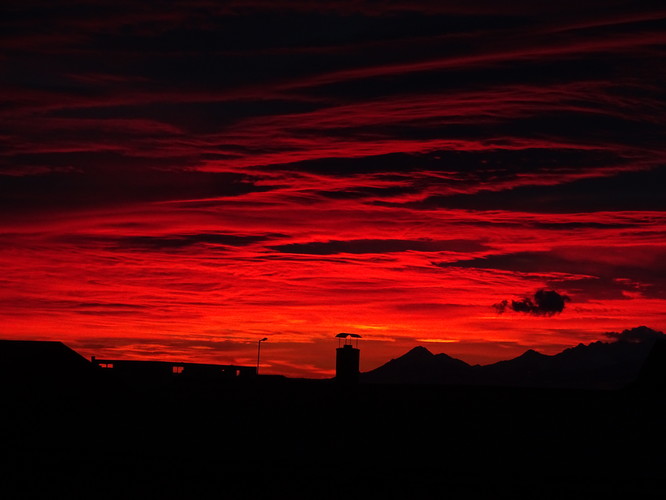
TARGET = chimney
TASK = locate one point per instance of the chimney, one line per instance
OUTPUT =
(347, 360)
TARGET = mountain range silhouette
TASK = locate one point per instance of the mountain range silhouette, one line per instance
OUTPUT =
(598, 365)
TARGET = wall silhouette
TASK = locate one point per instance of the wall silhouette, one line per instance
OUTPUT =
(164, 370)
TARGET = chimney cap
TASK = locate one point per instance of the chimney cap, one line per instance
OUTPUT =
(345, 335)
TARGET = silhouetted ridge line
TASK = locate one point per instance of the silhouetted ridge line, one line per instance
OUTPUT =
(598, 365)
(419, 365)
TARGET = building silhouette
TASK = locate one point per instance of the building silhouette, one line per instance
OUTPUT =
(156, 370)
(50, 364)
(48, 361)
(347, 359)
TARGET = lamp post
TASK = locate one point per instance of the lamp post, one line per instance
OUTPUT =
(259, 352)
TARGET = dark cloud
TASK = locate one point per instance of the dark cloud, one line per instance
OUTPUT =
(368, 192)
(175, 242)
(161, 242)
(202, 46)
(154, 347)
(379, 246)
(574, 225)
(638, 335)
(354, 166)
(624, 269)
(596, 288)
(488, 164)
(193, 115)
(201, 68)
(90, 188)
(544, 303)
(524, 262)
(635, 191)
(54, 306)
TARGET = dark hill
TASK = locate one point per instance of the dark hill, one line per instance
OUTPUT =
(653, 371)
(419, 365)
(599, 365)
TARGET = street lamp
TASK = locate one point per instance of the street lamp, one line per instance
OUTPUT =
(259, 352)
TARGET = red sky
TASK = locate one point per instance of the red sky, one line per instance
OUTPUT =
(178, 184)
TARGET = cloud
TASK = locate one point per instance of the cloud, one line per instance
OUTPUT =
(635, 191)
(638, 335)
(53, 306)
(544, 303)
(591, 272)
(99, 188)
(364, 246)
(466, 157)
(187, 240)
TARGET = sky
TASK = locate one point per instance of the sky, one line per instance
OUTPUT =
(179, 180)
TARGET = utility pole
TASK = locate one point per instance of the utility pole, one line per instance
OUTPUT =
(259, 352)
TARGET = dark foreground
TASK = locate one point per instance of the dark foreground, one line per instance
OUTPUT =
(298, 438)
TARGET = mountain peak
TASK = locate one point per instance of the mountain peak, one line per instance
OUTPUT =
(418, 353)
(419, 365)
(531, 354)
(419, 350)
